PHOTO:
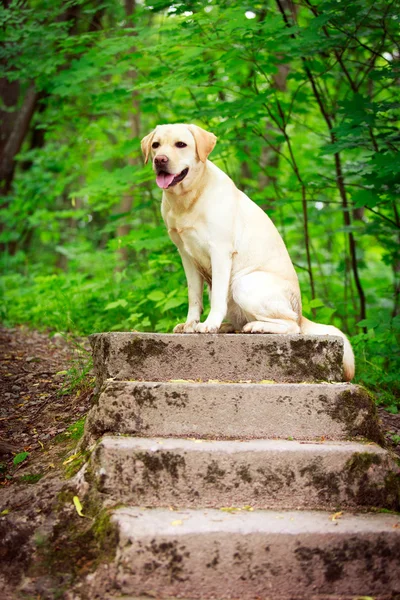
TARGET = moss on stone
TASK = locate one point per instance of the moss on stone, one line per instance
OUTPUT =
(143, 396)
(326, 483)
(169, 554)
(364, 489)
(360, 462)
(214, 472)
(76, 546)
(349, 406)
(76, 464)
(138, 349)
(158, 463)
(177, 399)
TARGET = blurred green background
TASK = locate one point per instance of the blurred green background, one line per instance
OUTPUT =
(304, 98)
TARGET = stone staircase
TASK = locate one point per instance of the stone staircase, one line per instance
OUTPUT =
(240, 467)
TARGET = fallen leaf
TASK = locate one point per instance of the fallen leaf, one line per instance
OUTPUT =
(248, 508)
(5, 512)
(267, 381)
(336, 516)
(78, 506)
(230, 509)
(20, 457)
(70, 459)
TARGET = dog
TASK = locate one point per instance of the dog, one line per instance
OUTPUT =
(227, 241)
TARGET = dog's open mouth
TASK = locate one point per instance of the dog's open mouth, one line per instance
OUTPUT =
(166, 180)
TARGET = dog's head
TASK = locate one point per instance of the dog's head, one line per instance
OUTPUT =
(177, 152)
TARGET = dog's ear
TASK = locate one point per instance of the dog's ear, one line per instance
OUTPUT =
(146, 145)
(205, 141)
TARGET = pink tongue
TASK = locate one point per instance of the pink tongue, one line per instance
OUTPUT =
(164, 180)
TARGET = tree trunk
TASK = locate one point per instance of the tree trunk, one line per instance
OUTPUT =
(269, 160)
(125, 206)
(12, 135)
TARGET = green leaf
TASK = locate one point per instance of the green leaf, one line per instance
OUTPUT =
(316, 303)
(117, 304)
(19, 458)
(173, 303)
(156, 296)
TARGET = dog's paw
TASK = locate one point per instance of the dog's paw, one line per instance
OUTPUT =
(186, 327)
(207, 327)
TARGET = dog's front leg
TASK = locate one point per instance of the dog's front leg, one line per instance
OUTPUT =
(195, 292)
(221, 267)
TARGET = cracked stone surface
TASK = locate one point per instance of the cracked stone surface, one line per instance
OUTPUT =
(260, 473)
(224, 357)
(242, 411)
(214, 554)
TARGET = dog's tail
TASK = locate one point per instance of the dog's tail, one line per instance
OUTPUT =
(311, 328)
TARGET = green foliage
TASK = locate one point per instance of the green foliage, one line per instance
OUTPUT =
(76, 429)
(379, 359)
(31, 477)
(71, 467)
(77, 376)
(306, 109)
(20, 457)
(73, 432)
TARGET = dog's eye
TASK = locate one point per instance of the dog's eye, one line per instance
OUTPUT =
(155, 145)
(180, 145)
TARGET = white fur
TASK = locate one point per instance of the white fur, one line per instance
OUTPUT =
(226, 240)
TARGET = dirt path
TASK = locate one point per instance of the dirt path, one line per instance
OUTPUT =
(35, 406)
(41, 414)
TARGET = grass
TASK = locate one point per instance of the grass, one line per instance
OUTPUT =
(73, 432)
(31, 478)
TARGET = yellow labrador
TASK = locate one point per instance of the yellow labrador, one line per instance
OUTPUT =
(228, 241)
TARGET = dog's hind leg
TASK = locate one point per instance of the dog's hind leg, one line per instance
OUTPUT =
(271, 326)
(268, 302)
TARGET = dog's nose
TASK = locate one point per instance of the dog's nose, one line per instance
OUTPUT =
(161, 160)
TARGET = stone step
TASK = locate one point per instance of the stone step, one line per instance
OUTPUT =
(223, 357)
(260, 473)
(389, 596)
(262, 554)
(238, 411)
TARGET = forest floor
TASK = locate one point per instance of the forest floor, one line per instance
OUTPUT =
(45, 391)
(46, 387)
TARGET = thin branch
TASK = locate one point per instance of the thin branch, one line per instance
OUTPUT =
(339, 175)
(378, 214)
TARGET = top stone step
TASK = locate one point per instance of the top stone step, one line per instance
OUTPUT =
(222, 357)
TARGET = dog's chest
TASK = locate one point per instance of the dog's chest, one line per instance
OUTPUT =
(193, 240)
